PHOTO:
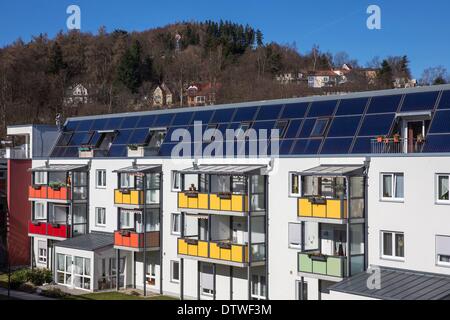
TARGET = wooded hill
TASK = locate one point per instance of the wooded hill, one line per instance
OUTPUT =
(121, 68)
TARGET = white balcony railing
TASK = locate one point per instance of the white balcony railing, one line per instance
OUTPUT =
(396, 146)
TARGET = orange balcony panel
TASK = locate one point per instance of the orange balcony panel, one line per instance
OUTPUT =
(135, 240)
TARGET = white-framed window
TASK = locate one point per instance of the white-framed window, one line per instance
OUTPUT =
(100, 179)
(82, 273)
(393, 245)
(207, 279)
(126, 181)
(40, 178)
(39, 211)
(392, 186)
(442, 188)
(100, 217)
(443, 251)
(42, 251)
(64, 269)
(174, 271)
(175, 223)
(176, 181)
(258, 287)
(294, 184)
(126, 219)
(295, 235)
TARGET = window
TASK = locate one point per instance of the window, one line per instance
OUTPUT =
(101, 179)
(174, 271)
(82, 273)
(258, 287)
(126, 218)
(42, 251)
(39, 211)
(157, 138)
(392, 186)
(100, 217)
(443, 251)
(176, 224)
(295, 235)
(176, 181)
(126, 181)
(319, 128)
(40, 178)
(294, 184)
(207, 279)
(393, 245)
(442, 188)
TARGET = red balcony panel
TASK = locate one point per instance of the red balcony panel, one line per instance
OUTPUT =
(59, 194)
(37, 228)
(47, 229)
(44, 192)
(37, 192)
(131, 239)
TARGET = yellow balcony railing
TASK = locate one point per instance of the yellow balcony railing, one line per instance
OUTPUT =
(213, 250)
(322, 208)
(129, 197)
(214, 202)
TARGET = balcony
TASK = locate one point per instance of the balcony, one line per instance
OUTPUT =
(216, 252)
(129, 197)
(322, 266)
(49, 193)
(59, 231)
(396, 145)
(322, 208)
(213, 202)
(134, 241)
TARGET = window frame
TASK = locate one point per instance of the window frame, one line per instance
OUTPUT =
(437, 200)
(42, 258)
(394, 256)
(97, 211)
(172, 221)
(291, 194)
(176, 175)
(324, 130)
(439, 263)
(290, 245)
(40, 182)
(172, 279)
(103, 178)
(393, 176)
(44, 213)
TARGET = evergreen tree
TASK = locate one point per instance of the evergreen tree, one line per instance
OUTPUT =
(129, 69)
(385, 74)
(56, 59)
(439, 80)
(259, 38)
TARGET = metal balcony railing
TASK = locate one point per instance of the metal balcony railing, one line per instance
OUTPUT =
(396, 146)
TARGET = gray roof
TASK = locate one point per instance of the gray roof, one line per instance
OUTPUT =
(60, 168)
(334, 170)
(140, 168)
(225, 169)
(398, 284)
(88, 242)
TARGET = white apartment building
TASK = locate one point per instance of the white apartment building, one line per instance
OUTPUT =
(361, 182)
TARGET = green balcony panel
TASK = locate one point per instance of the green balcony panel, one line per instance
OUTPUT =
(320, 267)
(305, 263)
(335, 267)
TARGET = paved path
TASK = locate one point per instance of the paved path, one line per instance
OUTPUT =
(23, 295)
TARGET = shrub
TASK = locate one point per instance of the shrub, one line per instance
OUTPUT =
(40, 276)
(18, 278)
(27, 287)
(53, 293)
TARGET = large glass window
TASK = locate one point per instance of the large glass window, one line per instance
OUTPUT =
(393, 245)
(258, 287)
(258, 199)
(126, 181)
(392, 186)
(153, 187)
(39, 211)
(443, 188)
(82, 273)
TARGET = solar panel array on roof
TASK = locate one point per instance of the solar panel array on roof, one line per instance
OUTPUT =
(343, 125)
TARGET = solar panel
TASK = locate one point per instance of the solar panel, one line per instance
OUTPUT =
(146, 122)
(80, 138)
(122, 137)
(72, 125)
(285, 146)
(293, 129)
(336, 145)
(308, 125)
(203, 116)
(299, 146)
(129, 122)
(445, 100)
(117, 151)
(344, 126)
(113, 124)
(85, 125)
(223, 115)
(313, 146)
(441, 122)
(294, 110)
(182, 119)
(245, 114)
(269, 112)
(419, 101)
(374, 125)
(99, 124)
(352, 106)
(384, 104)
(322, 108)
(437, 143)
(163, 120)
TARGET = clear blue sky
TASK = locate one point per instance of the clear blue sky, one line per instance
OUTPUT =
(419, 29)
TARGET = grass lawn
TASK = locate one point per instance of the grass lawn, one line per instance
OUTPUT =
(115, 296)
